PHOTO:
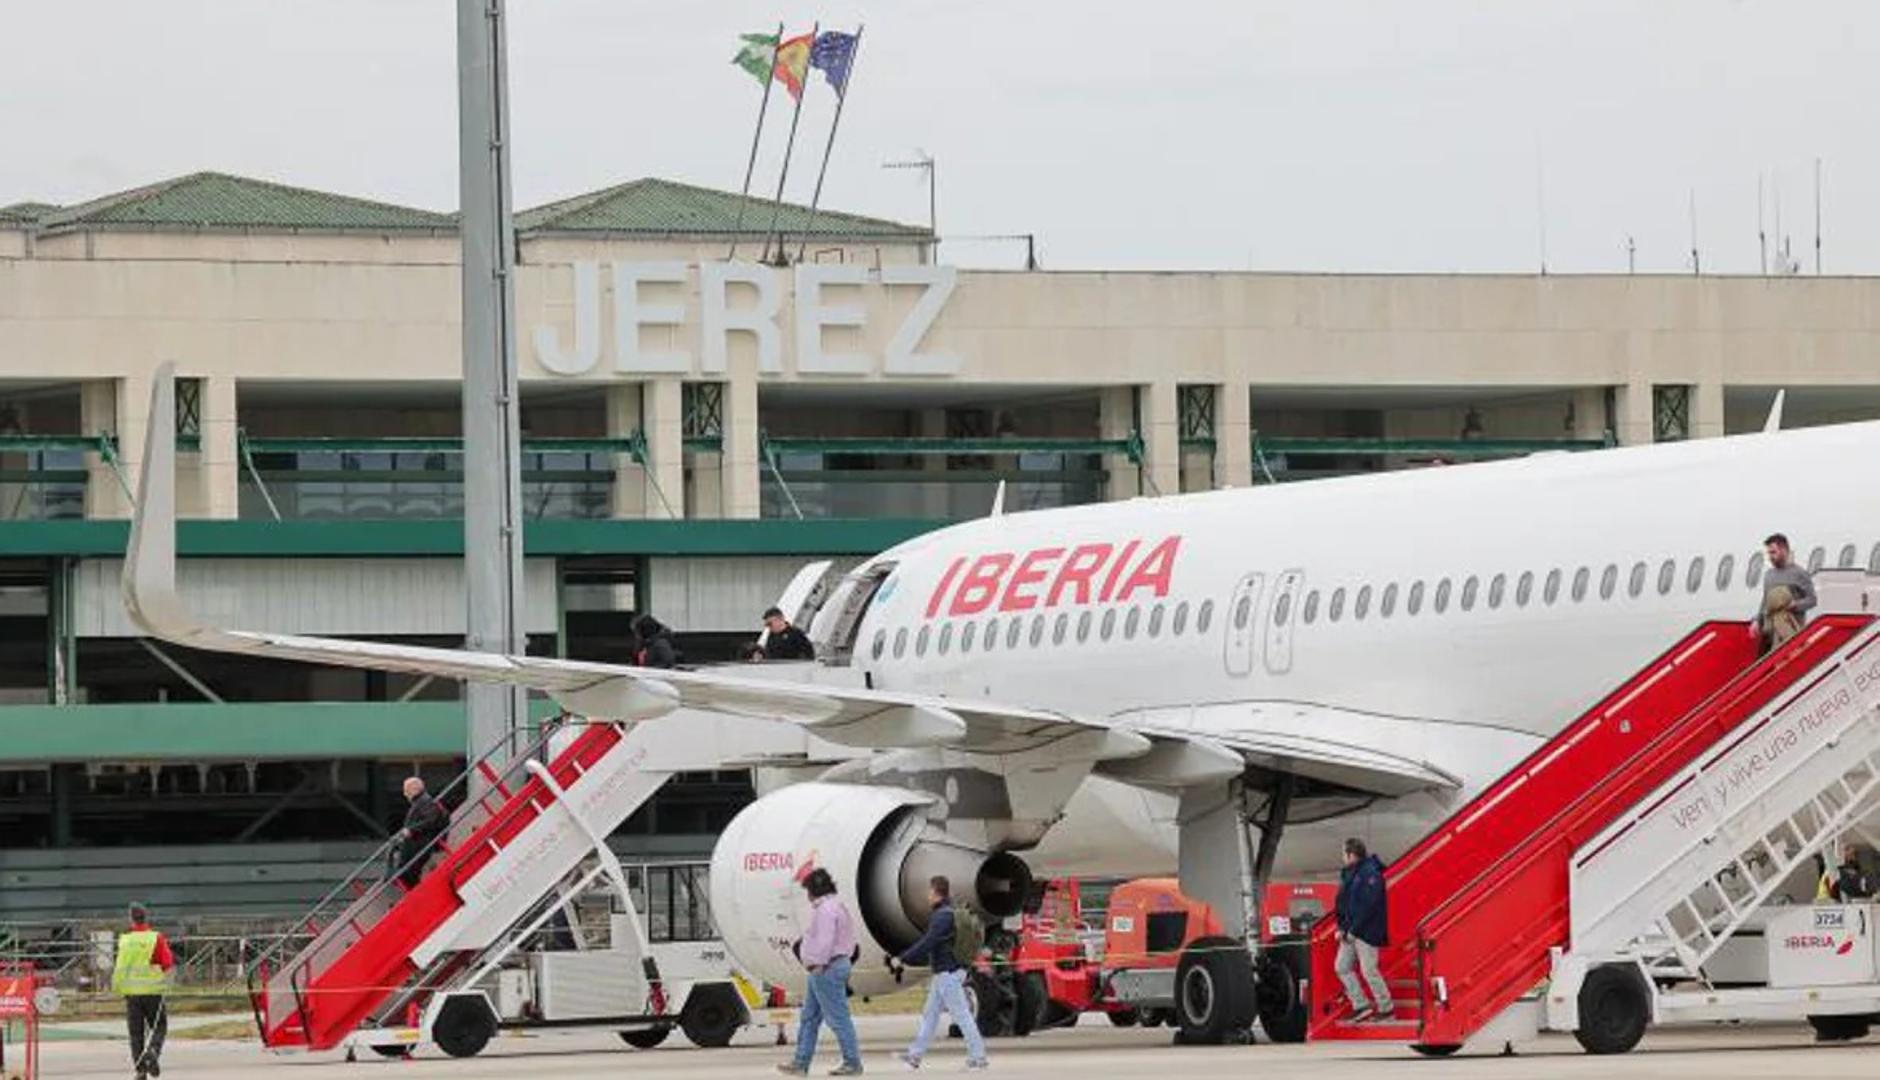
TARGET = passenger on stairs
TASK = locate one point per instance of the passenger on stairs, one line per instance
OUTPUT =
(1788, 594)
(1363, 922)
(425, 821)
(1851, 883)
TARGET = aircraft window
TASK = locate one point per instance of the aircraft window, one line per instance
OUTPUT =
(1816, 558)
(1282, 609)
(881, 644)
(1181, 619)
(1848, 556)
(1608, 581)
(1440, 602)
(1753, 574)
(1131, 621)
(1694, 578)
(1551, 591)
(1580, 578)
(1387, 605)
(1109, 623)
(900, 643)
(966, 636)
(920, 643)
(1012, 630)
(1362, 605)
(1312, 606)
(1726, 569)
(1635, 584)
(1415, 603)
(1469, 589)
(1083, 626)
(1037, 630)
(1155, 621)
(990, 638)
(1668, 576)
(1063, 624)
(1873, 561)
(1337, 609)
(1241, 610)
(1497, 589)
(946, 639)
(1204, 615)
(1524, 588)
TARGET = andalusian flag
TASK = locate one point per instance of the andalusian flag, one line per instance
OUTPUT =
(757, 55)
(793, 62)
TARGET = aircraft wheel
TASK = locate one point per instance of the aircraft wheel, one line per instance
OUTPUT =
(1214, 991)
(647, 1037)
(712, 1015)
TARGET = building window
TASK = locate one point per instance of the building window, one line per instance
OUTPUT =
(188, 409)
(1196, 405)
(702, 410)
(1671, 413)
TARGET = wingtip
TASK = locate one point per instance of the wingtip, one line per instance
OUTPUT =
(149, 581)
(1774, 422)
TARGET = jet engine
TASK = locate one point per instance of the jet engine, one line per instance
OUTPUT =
(879, 845)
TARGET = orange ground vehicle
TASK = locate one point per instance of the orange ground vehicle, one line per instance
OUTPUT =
(1062, 963)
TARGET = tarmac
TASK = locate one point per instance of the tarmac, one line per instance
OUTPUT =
(1090, 1050)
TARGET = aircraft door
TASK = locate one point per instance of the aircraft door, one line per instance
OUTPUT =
(1280, 620)
(1243, 612)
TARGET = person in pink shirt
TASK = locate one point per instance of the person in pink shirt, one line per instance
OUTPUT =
(827, 949)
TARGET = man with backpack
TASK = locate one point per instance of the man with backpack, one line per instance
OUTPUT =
(950, 946)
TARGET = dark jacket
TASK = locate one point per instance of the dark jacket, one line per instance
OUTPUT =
(789, 644)
(1850, 884)
(656, 648)
(935, 947)
(425, 821)
(1361, 908)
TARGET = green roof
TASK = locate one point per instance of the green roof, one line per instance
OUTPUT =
(210, 200)
(666, 207)
(25, 213)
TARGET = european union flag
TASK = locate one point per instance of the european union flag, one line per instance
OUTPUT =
(832, 54)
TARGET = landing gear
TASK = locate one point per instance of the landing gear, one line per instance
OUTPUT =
(712, 1015)
(1278, 995)
(1214, 995)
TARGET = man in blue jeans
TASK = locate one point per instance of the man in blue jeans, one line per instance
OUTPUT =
(826, 950)
(948, 988)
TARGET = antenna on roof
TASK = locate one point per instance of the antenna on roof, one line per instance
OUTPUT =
(1697, 265)
(1762, 237)
(1817, 217)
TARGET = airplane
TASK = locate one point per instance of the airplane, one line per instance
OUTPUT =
(1118, 687)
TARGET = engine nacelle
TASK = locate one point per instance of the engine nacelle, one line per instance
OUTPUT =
(880, 847)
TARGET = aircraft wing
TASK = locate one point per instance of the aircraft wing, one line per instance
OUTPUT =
(848, 716)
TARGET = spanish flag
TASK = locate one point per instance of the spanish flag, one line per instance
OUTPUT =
(793, 62)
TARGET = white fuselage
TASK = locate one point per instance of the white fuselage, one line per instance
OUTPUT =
(1537, 584)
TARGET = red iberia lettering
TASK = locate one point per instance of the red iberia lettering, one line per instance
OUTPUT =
(1029, 572)
(946, 582)
(1153, 572)
(1085, 561)
(980, 586)
(1116, 570)
(758, 861)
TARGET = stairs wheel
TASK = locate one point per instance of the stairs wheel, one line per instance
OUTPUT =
(712, 1015)
(1124, 1017)
(1436, 1051)
(1214, 991)
(464, 1026)
(647, 1037)
(393, 1050)
(1840, 1028)
(1282, 971)
(1615, 1007)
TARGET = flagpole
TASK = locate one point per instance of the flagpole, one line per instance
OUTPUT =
(841, 100)
(750, 166)
(776, 208)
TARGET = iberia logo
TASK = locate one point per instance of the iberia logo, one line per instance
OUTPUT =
(805, 866)
(1822, 942)
(1846, 947)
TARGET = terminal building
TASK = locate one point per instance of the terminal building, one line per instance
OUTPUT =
(697, 421)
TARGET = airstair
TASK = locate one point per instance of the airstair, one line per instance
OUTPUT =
(527, 833)
(1647, 832)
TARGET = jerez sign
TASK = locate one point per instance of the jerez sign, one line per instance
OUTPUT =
(748, 298)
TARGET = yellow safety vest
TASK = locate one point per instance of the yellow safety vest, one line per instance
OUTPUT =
(134, 975)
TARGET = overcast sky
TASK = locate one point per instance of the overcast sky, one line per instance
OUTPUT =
(1297, 135)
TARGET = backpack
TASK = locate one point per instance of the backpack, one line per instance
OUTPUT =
(969, 935)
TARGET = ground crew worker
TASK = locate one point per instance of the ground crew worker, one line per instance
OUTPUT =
(1363, 921)
(140, 975)
(1791, 610)
(1851, 883)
